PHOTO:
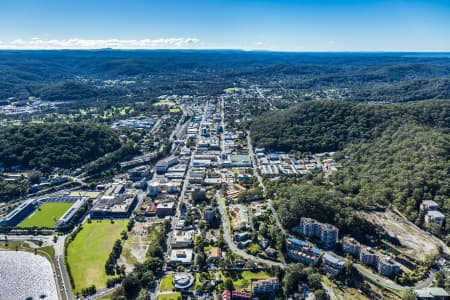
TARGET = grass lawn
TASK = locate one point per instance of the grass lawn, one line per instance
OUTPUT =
(164, 102)
(107, 296)
(88, 252)
(197, 280)
(241, 281)
(253, 248)
(129, 257)
(46, 251)
(170, 296)
(167, 283)
(232, 89)
(46, 215)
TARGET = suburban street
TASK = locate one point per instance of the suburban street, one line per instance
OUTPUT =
(233, 247)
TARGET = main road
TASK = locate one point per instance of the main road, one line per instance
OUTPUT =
(261, 183)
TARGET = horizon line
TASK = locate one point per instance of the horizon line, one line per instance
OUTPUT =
(225, 49)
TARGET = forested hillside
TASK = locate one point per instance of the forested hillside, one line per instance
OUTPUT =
(72, 90)
(49, 145)
(404, 166)
(387, 77)
(297, 199)
(390, 155)
(318, 126)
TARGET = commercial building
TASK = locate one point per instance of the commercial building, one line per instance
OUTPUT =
(140, 122)
(164, 164)
(165, 209)
(138, 160)
(153, 188)
(114, 206)
(209, 214)
(181, 256)
(428, 205)
(182, 281)
(333, 263)
(435, 217)
(115, 188)
(240, 161)
(433, 293)
(237, 161)
(265, 286)
(139, 173)
(183, 239)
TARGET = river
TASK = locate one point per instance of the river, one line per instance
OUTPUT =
(24, 274)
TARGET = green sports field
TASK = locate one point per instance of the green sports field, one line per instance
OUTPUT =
(88, 252)
(46, 215)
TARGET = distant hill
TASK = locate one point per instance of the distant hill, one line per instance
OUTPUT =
(74, 90)
(390, 77)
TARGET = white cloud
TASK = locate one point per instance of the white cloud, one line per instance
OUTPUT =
(37, 43)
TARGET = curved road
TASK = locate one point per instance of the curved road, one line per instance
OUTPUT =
(391, 284)
(233, 247)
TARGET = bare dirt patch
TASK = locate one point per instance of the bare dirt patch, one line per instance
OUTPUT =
(415, 242)
(135, 247)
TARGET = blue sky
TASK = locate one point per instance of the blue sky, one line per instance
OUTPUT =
(314, 25)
